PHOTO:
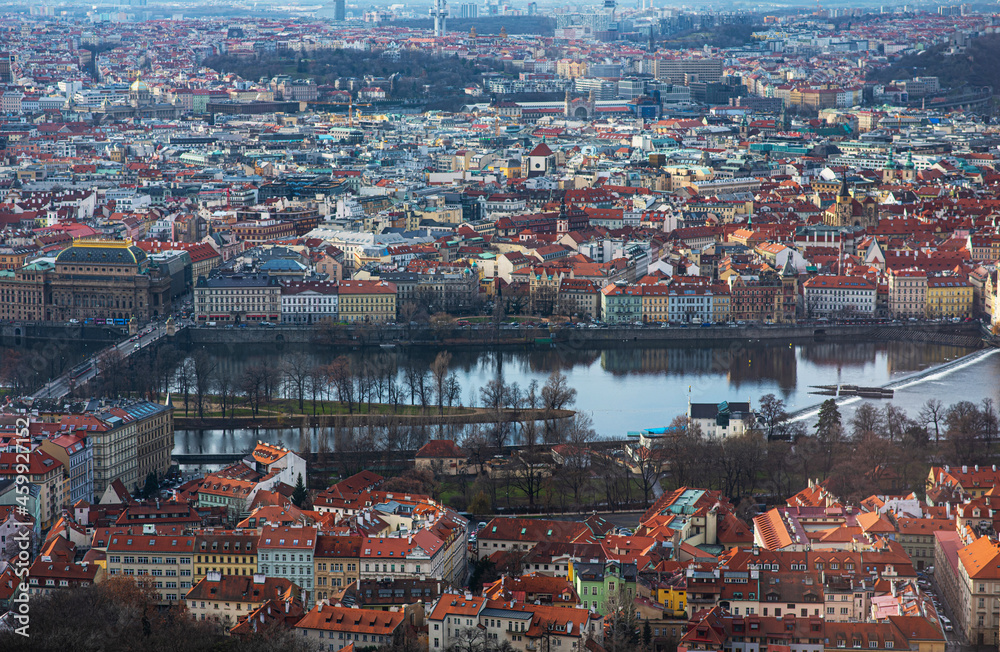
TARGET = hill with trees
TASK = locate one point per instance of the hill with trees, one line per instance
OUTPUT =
(975, 66)
(411, 74)
(540, 25)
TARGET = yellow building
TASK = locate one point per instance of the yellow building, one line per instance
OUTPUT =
(569, 69)
(720, 303)
(655, 303)
(230, 552)
(674, 599)
(367, 301)
(335, 564)
(508, 167)
(948, 296)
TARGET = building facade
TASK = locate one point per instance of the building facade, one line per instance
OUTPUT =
(240, 298)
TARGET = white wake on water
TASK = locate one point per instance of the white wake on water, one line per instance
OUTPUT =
(927, 375)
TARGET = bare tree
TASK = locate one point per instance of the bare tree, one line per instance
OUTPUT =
(988, 423)
(623, 620)
(613, 471)
(185, 378)
(270, 378)
(317, 384)
(411, 380)
(225, 386)
(296, 369)
(771, 415)
(203, 368)
(867, 420)
(453, 390)
(964, 422)
(650, 463)
(338, 374)
(476, 442)
(576, 472)
(895, 422)
(739, 459)
(439, 372)
(531, 464)
(556, 395)
(932, 414)
(164, 366)
(252, 386)
(469, 639)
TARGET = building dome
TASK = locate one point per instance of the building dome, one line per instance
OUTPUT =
(116, 252)
(138, 86)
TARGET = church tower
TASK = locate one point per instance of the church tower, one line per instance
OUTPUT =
(890, 171)
(789, 291)
(848, 211)
(844, 205)
(562, 222)
(909, 171)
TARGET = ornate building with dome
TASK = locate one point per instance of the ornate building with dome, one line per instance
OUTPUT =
(139, 105)
(105, 279)
(139, 93)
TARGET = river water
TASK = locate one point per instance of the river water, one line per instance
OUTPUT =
(628, 388)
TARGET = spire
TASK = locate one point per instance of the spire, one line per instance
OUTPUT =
(844, 192)
(788, 270)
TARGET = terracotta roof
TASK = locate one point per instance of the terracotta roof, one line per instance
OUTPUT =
(356, 621)
(437, 448)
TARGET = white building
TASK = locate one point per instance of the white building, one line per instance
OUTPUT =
(720, 420)
(308, 302)
(850, 295)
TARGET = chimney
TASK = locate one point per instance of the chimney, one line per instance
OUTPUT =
(287, 606)
(259, 578)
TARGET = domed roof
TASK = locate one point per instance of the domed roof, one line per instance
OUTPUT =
(109, 254)
(139, 86)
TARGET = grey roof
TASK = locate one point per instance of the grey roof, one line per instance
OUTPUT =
(282, 264)
(237, 280)
(102, 255)
(507, 613)
(711, 410)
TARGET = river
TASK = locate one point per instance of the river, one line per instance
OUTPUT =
(629, 388)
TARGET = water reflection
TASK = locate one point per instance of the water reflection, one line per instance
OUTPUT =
(627, 387)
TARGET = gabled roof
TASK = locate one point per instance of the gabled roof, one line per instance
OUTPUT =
(438, 448)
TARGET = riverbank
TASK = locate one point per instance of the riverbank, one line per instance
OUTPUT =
(966, 334)
(465, 416)
(59, 334)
